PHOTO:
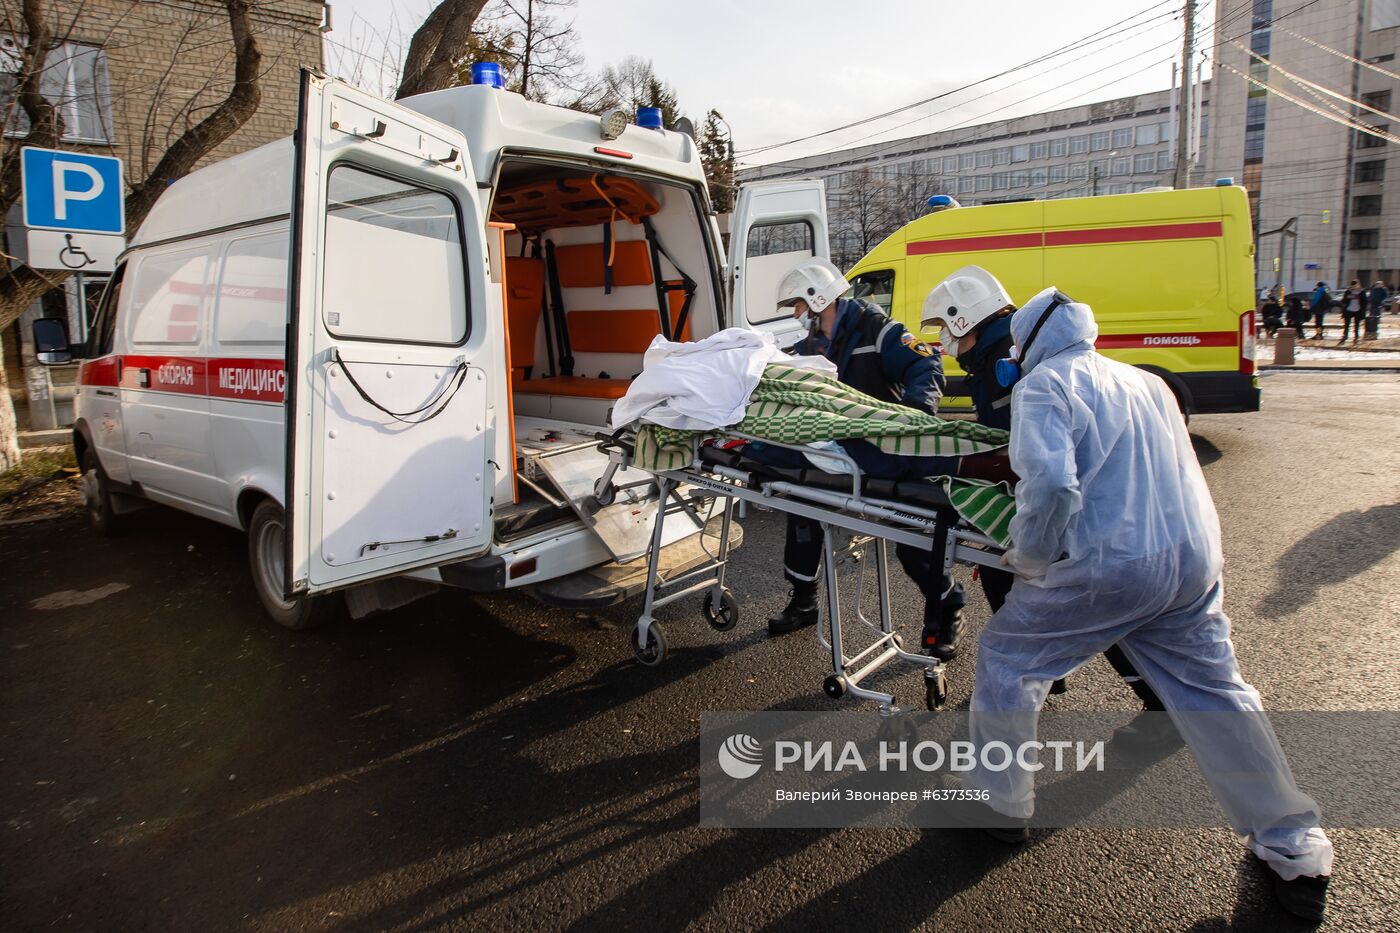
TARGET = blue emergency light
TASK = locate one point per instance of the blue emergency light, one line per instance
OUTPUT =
(488, 73)
(649, 118)
(1225, 182)
(942, 202)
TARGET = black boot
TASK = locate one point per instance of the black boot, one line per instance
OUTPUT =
(801, 610)
(943, 626)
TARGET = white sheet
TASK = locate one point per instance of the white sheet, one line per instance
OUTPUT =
(706, 384)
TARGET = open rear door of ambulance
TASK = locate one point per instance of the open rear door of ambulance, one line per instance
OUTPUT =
(390, 412)
(776, 225)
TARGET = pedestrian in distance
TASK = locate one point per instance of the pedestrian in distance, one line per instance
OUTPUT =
(1376, 300)
(1116, 541)
(1272, 313)
(1321, 301)
(1297, 316)
(878, 356)
(1353, 311)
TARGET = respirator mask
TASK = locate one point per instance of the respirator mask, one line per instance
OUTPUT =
(1008, 371)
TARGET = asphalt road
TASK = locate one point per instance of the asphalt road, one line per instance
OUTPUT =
(171, 760)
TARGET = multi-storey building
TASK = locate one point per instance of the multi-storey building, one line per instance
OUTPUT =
(1111, 147)
(1303, 170)
(129, 76)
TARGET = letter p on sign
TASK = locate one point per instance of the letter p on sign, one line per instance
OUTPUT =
(73, 191)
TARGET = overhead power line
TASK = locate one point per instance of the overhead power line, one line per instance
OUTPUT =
(1317, 87)
(1351, 58)
(1090, 39)
(1350, 124)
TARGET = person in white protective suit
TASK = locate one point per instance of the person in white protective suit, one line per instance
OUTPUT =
(1116, 541)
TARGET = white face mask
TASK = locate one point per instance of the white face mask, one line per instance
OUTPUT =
(808, 322)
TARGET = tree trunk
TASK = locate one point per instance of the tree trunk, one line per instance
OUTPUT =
(9, 430)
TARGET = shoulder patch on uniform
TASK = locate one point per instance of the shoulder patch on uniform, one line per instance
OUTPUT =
(917, 345)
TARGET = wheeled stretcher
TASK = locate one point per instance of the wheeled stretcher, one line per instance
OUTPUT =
(869, 511)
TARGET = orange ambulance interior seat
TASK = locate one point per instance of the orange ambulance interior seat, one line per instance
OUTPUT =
(597, 331)
(524, 296)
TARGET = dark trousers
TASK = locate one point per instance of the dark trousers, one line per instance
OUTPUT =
(997, 583)
(1352, 322)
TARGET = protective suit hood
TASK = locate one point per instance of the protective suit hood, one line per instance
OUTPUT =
(1069, 328)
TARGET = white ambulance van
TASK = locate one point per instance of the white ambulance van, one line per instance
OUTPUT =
(386, 347)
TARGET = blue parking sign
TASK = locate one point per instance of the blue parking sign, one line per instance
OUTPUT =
(73, 191)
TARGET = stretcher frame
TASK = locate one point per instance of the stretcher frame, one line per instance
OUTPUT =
(865, 518)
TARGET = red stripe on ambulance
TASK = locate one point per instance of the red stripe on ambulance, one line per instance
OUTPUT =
(245, 380)
(1135, 234)
(1216, 338)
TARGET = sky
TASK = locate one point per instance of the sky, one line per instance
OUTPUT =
(778, 70)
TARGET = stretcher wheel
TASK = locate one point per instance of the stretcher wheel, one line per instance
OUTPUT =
(935, 689)
(834, 686)
(654, 651)
(728, 615)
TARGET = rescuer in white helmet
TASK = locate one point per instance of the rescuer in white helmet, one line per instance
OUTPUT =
(877, 356)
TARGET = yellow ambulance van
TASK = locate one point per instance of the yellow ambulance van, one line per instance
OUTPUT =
(1169, 274)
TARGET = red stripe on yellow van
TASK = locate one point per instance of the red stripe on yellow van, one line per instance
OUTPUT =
(1137, 234)
(1134, 234)
(969, 244)
(1215, 338)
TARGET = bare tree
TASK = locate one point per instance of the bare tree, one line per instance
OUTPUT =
(437, 47)
(870, 207)
(21, 284)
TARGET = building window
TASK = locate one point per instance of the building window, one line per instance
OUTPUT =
(1145, 163)
(1079, 145)
(1059, 147)
(950, 165)
(1078, 171)
(1367, 141)
(74, 81)
(1057, 174)
(1370, 171)
(1378, 99)
(1098, 167)
(1001, 181)
(1366, 205)
(984, 183)
(1365, 239)
(1020, 153)
(1019, 180)
(1117, 189)
(1164, 160)
(984, 158)
(1040, 150)
(1003, 155)
(965, 161)
(1100, 141)
(1038, 178)
(1122, 165)
(1146, 135)
(1123, 138)
(966, 186)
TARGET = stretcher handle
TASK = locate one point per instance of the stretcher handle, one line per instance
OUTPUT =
(614, 440)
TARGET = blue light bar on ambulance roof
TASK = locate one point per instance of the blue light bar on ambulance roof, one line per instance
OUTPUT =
(649, 118)
(942, 202)
(1225, 182)
(487, 73)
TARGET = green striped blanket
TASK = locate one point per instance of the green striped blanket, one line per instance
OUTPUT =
(803, 406)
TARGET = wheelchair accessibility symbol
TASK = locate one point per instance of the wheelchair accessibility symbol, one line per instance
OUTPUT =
(73, 256)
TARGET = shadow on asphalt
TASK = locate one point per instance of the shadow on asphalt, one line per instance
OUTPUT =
(1206, 452)
(1335, 551)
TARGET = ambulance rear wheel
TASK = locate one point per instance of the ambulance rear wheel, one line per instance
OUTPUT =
(97, 495)
(267, 556)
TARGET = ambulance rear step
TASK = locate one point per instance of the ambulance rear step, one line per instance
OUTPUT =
(613, 582)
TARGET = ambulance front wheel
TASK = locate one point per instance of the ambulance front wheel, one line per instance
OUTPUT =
(97, 495)
(267, 556)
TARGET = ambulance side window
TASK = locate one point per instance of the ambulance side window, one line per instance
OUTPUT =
(252, 292)
(102, 338)
(877, 287)
(770, 253)
(168, 299)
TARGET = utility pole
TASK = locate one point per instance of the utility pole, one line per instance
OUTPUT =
(1182, 177)
(1094, 182)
